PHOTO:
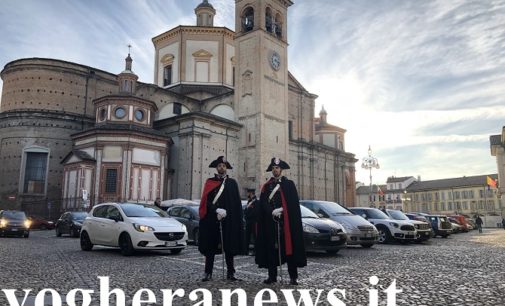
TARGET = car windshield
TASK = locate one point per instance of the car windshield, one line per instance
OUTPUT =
(15, 215)
(397, 215)
(79, 215)
(307, 213)
(333, 208)
(139, 210)
(374, 213)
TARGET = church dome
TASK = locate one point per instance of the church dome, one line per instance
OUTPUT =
(205, 4)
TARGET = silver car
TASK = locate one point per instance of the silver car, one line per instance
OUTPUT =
(359, 231)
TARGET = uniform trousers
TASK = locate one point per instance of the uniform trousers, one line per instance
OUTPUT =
(209, 263)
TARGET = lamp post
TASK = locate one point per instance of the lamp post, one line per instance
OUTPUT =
(368, 163)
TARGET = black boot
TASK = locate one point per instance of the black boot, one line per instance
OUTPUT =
(293, 282)
(231, 277)
(207, 277)
(269, 281)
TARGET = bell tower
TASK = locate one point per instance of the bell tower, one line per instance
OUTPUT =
(261, 86)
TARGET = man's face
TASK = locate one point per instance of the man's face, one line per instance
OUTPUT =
(250, 194)
(276, 171)
(221, 168)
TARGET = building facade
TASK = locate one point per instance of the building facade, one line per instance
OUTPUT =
(497, 144)
(69, 129)
(464, 195)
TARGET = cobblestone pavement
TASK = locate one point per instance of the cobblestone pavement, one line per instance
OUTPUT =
(465, 269)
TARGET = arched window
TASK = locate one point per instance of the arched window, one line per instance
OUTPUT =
(278, 26)
(248, 19)
(268, 20)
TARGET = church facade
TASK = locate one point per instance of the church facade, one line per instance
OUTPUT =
(70, 130)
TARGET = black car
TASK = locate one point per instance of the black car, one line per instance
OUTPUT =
(187, 215)
(321, 234)
(70, 223)
(14, 223)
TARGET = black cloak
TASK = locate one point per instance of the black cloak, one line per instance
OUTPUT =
(291, 226)
(210, 237)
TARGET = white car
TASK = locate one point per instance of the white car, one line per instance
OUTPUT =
(131, 227)
(388, 228)
(423, 229)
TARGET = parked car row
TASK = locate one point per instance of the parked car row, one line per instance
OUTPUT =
(327, 226)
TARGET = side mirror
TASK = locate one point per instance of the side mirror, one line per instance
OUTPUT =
(320, 215)
(115, 218)
(364, 216)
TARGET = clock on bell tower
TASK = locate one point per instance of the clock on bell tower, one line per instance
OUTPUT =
(261, 87)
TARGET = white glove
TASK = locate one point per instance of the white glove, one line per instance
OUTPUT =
(221, 213)
(277, 212)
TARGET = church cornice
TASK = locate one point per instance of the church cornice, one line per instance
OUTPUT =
(45, 114)
(321, 147)
(192, 30)
(215, 120)
(125, 99)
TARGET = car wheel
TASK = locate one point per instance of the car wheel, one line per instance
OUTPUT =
(125, 244)
(58, 232)
(196, 237)
(175, 251)
(26, 235)
(332, 252)
(367, 245)
(384, 235)
(86, 244)
(74, 232)
(445, 236)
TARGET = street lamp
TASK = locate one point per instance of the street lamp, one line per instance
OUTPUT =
(368, 163)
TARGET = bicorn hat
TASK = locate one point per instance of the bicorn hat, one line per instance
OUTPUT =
(220, 160)
(277, 162)
(250, 190)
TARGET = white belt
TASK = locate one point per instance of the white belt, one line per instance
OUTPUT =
(274, 191)
(219, 193)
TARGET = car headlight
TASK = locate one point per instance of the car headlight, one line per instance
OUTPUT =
(309, 229)
(183, 228)
(27, 223)
(3, 222)
(393, 224)
(341, 228)
(417, 226)
(143, 228)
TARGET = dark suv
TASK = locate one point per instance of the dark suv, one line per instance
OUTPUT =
(14, 223)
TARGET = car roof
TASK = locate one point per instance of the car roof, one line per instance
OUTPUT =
(192, 207)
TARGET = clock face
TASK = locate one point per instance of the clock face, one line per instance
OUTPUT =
(275, 60)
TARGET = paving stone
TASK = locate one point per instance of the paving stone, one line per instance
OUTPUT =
(465, 269)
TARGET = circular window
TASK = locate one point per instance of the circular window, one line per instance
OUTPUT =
(139, 115)
(120, 112)
(103, 114)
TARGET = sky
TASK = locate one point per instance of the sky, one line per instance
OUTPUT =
(421, 82)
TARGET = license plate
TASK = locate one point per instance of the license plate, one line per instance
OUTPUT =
(14, 229)
(170, 243)
(335, 238)
(367, 235)
(427, 233)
